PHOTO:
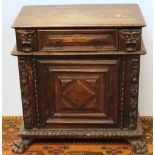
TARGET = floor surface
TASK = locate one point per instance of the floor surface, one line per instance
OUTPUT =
(11, 126)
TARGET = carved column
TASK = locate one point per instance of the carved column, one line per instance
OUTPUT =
(122, 92)
(38, 123)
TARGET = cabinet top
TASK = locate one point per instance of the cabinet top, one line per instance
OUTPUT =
(87, 15)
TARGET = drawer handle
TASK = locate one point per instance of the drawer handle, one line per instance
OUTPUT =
(58, 44)
(98, 43)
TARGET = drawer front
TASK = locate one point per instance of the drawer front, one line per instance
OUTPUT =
(79, 93)
(78, 40)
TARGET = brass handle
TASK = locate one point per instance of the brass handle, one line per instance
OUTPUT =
(98, 43)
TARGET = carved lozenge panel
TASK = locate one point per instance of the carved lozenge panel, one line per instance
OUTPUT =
(80, 93)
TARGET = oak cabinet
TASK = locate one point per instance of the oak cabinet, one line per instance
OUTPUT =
(79, 78)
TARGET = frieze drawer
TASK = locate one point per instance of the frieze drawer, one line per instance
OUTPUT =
(103, 40)
(78, 40)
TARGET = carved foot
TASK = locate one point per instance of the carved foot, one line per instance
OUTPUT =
(138, 146)
(20, 145)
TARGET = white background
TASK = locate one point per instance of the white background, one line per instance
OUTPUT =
(11, 100)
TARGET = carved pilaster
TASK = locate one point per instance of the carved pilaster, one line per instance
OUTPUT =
(133, 100)
(130, 40)
(25, 72)
(122, 88)
(26, 40)
(36, 94)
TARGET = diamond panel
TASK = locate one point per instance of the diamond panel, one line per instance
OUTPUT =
(78, 94)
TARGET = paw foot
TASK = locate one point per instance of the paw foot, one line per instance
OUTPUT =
(20, 145)
(138, 146)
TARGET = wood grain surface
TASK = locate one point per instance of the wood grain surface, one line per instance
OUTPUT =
(80, 16)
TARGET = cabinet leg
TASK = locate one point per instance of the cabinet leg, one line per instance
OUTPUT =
(138, 146)
(20, 145)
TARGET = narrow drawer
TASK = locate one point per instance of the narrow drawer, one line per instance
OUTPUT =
(78, 40)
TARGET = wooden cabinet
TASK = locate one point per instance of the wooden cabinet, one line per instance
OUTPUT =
(79, 78)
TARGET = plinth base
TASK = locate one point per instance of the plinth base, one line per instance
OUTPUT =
(132, 136)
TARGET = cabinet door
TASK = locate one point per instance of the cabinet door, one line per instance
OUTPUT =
(78, 93)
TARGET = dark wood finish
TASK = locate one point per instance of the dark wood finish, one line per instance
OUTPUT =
(77, 133)
(96, 52)
(79, 78)
(130, 40)
(78, 87)
(78, 40)
(26, 40)
(27, 91)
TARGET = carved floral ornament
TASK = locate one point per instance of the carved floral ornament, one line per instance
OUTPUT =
(134, 93)
(26, 99)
